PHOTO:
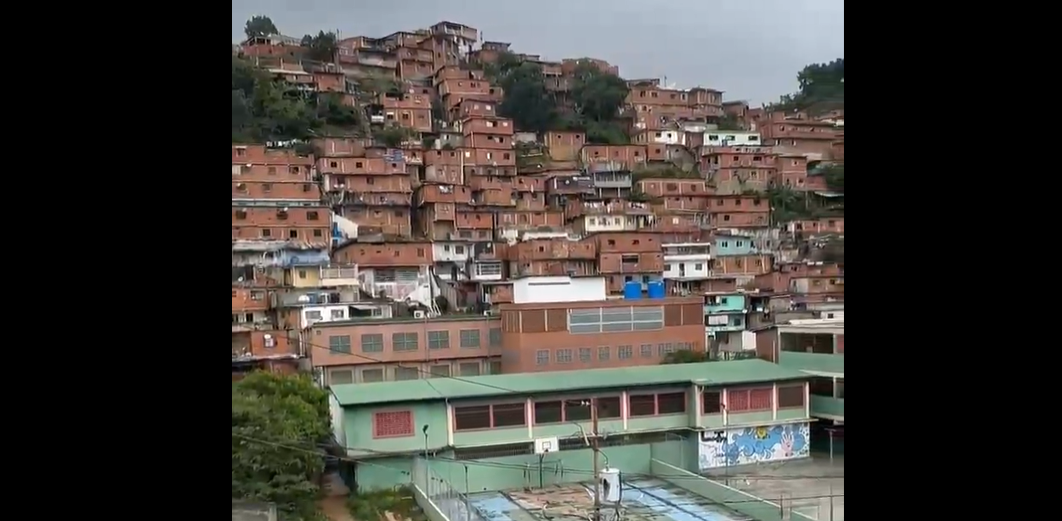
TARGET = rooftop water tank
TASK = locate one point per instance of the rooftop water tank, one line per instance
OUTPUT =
(656, 289)
(632, 290)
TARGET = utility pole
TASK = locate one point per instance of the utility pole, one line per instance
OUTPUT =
(831, 431)
(594, 447)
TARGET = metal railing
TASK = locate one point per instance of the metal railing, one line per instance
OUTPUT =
(436, 494)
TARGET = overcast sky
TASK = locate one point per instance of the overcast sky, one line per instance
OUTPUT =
(751, 49)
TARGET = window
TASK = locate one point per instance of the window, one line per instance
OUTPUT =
(711, 402)
(407, 373)
(670, 403)
(438, 340)
(495, 337)
(749, 400)
(339, 344)
(372, 375)
(549, 412)
(608, 407)
(615, 320)
(542, 357)
(508, 415)
(624, 352)
(647, 350)
(337, 314)
(392, 424)
(341, 376)
(372, 343)
(584, 354)
(439, 371)
(313, 315)
(665, 349)
(840, 388)
(404, 341)
(495, 368)
(241, 214)
(791, 396)
(564, 356)
(469, 369)
(642, 404)
(472, 418)
(311, 216)
(469, 338)
(603, 353)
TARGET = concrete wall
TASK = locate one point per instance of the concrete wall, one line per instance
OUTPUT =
(513, 472)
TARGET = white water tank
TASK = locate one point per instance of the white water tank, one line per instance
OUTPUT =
(611, 485)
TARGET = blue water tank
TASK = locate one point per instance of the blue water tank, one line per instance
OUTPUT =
(656, 289)
(632, 290)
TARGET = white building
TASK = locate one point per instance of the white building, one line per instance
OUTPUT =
(731, 138)
(687, 261)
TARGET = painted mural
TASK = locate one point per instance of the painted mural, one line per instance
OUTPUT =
(723, 448)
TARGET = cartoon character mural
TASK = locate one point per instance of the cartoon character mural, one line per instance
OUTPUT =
(734, 447)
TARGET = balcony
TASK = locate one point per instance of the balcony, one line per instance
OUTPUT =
(605, 166)
(612, 180)
(814, 363)
(827, 407)
(724, 322)
(331, 277)
(314, 298)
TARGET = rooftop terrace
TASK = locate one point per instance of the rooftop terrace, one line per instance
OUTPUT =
(708, 373)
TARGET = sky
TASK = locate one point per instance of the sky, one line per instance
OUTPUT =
(751, 49)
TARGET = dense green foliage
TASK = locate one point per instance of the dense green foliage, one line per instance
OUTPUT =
(259, 26)
(373, 505)
(696, 357)
(276, 423)
(321, 47)
(266, 109)
(834, 177)
(821, 88)
(595, 100)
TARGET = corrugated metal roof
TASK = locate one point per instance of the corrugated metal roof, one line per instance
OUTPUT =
(708, 373)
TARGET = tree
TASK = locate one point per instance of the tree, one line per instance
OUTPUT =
(834, 175)
(786, 204)
(266, 109)
(821, 88)
(685, 357)
(598, 95)
(527, 102)
(321, 47)
(276, 423)
(259, 25)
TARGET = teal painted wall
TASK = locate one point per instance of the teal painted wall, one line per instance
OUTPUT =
(727, 303)
(723, 246)
(382, 472)
(568, 466)
(357, 423)
(358, 429)
(511, 472)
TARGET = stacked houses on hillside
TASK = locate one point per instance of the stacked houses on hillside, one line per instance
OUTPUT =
(473, 247)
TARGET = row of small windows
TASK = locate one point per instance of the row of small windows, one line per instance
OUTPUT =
(615, 320)
(479, 417)
(604, 353)
(374, 342)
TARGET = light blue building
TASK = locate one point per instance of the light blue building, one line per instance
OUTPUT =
(725, 312)
(724, 245)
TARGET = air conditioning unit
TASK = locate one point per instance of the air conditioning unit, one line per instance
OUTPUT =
(419, 314)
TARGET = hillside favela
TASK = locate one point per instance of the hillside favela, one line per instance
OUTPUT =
(474, 283)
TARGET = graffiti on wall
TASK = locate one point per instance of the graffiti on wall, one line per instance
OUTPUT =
(722, 448)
